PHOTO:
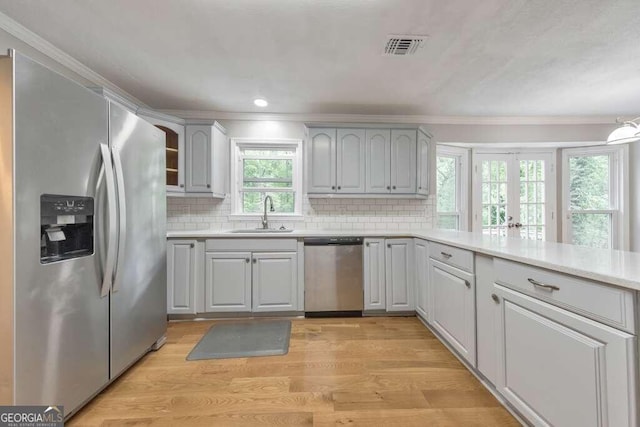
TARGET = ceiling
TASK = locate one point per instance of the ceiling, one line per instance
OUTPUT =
(482, 58)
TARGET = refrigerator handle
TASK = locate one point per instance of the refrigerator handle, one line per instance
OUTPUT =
(111, 207)
(122, 214)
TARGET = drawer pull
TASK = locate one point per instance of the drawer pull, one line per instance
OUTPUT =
(446, 255)
(542, 285)
(495, 298)
(247, 260)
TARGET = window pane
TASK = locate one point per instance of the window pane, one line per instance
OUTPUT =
(446, 184)
(589, 182)
(448, 222)
(592, 230)
(253, 201)
(275, 152)
(267, 173)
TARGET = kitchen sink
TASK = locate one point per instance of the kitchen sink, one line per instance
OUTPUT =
(261, 230)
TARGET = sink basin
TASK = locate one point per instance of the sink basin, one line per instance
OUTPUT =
(260, 230)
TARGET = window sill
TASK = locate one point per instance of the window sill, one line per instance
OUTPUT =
(270, 217)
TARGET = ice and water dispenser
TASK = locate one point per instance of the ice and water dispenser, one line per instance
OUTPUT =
(66, 227)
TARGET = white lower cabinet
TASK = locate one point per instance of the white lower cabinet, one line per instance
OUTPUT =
(374, 275)
(561, 369)
(486, 347)
(181, 268)
(399, 275)
(227, 281)
(275, 281)
(452, 307)
(251, 281)
(421, 276)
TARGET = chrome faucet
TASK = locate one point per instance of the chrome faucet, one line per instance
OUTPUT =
(265, 221)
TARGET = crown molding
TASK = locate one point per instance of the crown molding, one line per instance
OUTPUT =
(41, 45)
(513, 146)
(398, 119)
(153, 114)
(117, 98)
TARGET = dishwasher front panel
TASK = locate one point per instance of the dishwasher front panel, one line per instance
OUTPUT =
(333, 278)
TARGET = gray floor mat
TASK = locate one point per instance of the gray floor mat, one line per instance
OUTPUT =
(243, 339)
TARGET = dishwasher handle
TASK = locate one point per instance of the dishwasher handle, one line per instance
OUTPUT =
(333, 241)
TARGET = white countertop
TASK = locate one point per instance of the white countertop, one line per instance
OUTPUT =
(614, 267)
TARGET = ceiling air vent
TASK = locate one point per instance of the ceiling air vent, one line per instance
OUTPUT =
(403, 45)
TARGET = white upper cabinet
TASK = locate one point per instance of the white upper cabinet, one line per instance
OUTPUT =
(351, 161)
(403, 161)
(368, 161)
(423, 163)
(207, 152)
(378, 161)
(321, 161)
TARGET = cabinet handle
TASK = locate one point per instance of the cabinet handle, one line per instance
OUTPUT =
(388, 187)
(419, 188)
(339, 188)
(542, 285)
(192, 245)
(495, 298)
(467, 284)
(389, 245)
(247, 260)
(446, 255)
(255, 261)
(208, 185)
(367, 244)
(181, 185)
(394, 187)
(333, 187)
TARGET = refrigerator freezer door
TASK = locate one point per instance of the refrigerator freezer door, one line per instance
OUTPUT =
(138, 298)
(61, 321)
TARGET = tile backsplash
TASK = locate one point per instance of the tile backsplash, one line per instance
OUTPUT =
(193, 213)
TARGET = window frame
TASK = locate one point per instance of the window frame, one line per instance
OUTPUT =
(239, 144)
(618, 192)
(461, 155)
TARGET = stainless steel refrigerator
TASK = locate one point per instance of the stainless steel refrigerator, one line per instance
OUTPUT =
(82, 244)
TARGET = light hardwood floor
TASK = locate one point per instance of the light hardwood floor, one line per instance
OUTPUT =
(376, 371)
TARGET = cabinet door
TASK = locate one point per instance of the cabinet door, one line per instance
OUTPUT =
(175, 152)
(561, 369)
(374, 275)
(487, 349)
(351, 160)
(423, 164)
(399, 275)
(275, 281)
(452, 307)
(181, 267)
(378, 161)
(403, 161)
(321, 161)
(228, 281)
(198, 167)
(219, 161)
(421, 274)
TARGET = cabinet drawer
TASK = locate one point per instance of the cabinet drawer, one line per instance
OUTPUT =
(456, 257)
(257, 245)
(607, 304)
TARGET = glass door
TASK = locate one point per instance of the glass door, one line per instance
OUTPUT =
(514, 195)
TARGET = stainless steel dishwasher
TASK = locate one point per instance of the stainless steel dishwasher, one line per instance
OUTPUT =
(333, 274)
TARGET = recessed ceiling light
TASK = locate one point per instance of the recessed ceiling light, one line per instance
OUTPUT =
(260, 102)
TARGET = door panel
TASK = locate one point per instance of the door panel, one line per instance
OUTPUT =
(399, 275)
(403, 161)
(374, 275)
(198, 158)
(424, 166)
(378, 160)
(228, 281)
(351, 159)
(275, 281)
(61, 323)
(321, 161)
(139, 296)
(421, 267)
(181, 269)
(492, 198)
